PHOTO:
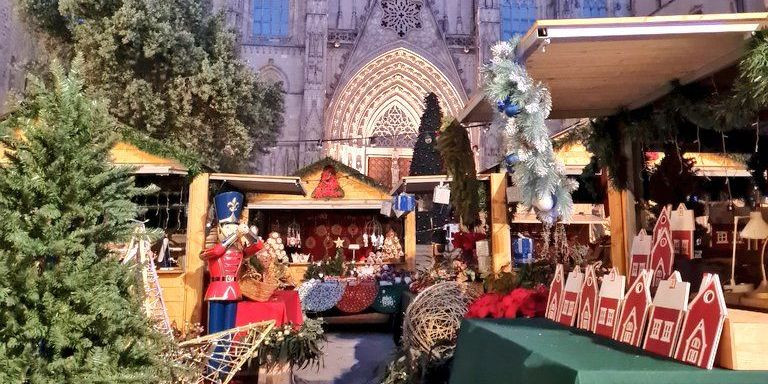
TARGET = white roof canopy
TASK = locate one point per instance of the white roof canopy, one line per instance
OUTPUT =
(287, 185)
(595, 67)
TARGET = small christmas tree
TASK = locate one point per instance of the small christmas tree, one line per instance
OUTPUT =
(70, 312)
(329, 187)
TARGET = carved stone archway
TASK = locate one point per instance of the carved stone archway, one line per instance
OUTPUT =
(386, 91)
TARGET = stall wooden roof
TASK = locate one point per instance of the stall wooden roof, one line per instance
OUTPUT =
(360, 192)
(128, 154)
(281, 185)
(595, 67)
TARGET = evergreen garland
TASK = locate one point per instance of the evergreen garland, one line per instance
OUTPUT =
(537, 173)
(70, 312)
(456, 151)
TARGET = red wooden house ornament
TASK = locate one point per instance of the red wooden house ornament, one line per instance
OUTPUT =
(662, 223)
(570, 303)
(681, 225)
(662, 258)
(634, 311)
(609, 303)
(702, 324)
(641, 253)
(588, 299)
(666, 315)
(555, 296)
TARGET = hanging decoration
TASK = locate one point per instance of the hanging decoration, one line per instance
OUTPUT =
(293, 235)
(542, 180)
(329, 187)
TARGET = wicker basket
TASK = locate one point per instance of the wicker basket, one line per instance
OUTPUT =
(257, 290)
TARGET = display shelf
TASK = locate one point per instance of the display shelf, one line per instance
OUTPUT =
(170, 271)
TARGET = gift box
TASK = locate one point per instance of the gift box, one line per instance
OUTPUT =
(522, 250)
(441, 194)
(404, 202)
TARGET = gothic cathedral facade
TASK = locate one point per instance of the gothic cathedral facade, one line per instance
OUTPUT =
(352, 70)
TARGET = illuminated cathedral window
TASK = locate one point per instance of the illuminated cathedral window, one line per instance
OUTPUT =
(395, 129)
(401, 15)
(517, 16)
(270, 18)
(594, 8)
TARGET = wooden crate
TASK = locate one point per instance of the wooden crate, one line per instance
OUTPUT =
(744, 342)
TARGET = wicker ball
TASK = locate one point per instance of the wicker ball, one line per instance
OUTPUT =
(432, 321)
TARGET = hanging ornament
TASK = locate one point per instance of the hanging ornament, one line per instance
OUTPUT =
(510, 160)
(512, 110)
(365, 240)
(428, 139)
(545, 202)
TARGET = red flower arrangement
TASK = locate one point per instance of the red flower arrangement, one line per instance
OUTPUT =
(526, 302)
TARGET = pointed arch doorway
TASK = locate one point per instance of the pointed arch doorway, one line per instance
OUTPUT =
(380, 108)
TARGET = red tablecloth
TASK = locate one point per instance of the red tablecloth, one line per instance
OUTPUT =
(283, 306)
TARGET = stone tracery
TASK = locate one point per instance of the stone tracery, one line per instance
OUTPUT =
(392, 84)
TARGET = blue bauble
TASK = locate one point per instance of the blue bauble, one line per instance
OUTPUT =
(512, 110)
(500, 105)
(511, 160)
(508, 100)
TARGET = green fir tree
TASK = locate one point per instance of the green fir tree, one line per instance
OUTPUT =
(169, 71)
(70, 311)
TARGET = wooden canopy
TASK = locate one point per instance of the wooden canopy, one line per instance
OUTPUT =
(595, 67)
(424, 184)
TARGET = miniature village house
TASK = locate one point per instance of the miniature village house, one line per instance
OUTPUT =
(666, 315)
(569, 306)
(609, 303)
(703, 324)
(588, 299)
(640, 254)
(634, 310)
(555, 294)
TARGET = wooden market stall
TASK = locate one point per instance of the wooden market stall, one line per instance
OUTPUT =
(181, 209)
(597, 67)
(341, 204)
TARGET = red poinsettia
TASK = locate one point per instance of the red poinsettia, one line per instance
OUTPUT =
(466, 240)
(521, 301)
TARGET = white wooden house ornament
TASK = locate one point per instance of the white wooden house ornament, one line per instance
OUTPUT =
(634, 311)
(682, 224)
(570, 302)
(702, 325)
(666, 316)
(555, 296)
(609, 303)
(588, 299)
(639, 258)
(662, 258)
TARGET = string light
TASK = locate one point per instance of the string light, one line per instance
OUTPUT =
(370, 139)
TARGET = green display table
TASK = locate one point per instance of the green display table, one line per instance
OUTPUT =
(532, 351)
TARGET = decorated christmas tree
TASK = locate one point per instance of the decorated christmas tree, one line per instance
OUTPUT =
(426, 157)
(70, 311)
(329, 187)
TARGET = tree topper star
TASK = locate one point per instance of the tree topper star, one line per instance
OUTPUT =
(339, 242)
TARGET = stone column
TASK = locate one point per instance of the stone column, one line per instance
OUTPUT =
(313, 108)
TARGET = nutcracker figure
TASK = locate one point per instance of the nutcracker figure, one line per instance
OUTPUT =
(224, 258)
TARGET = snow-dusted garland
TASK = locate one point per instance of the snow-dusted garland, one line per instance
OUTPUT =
(525, 105)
